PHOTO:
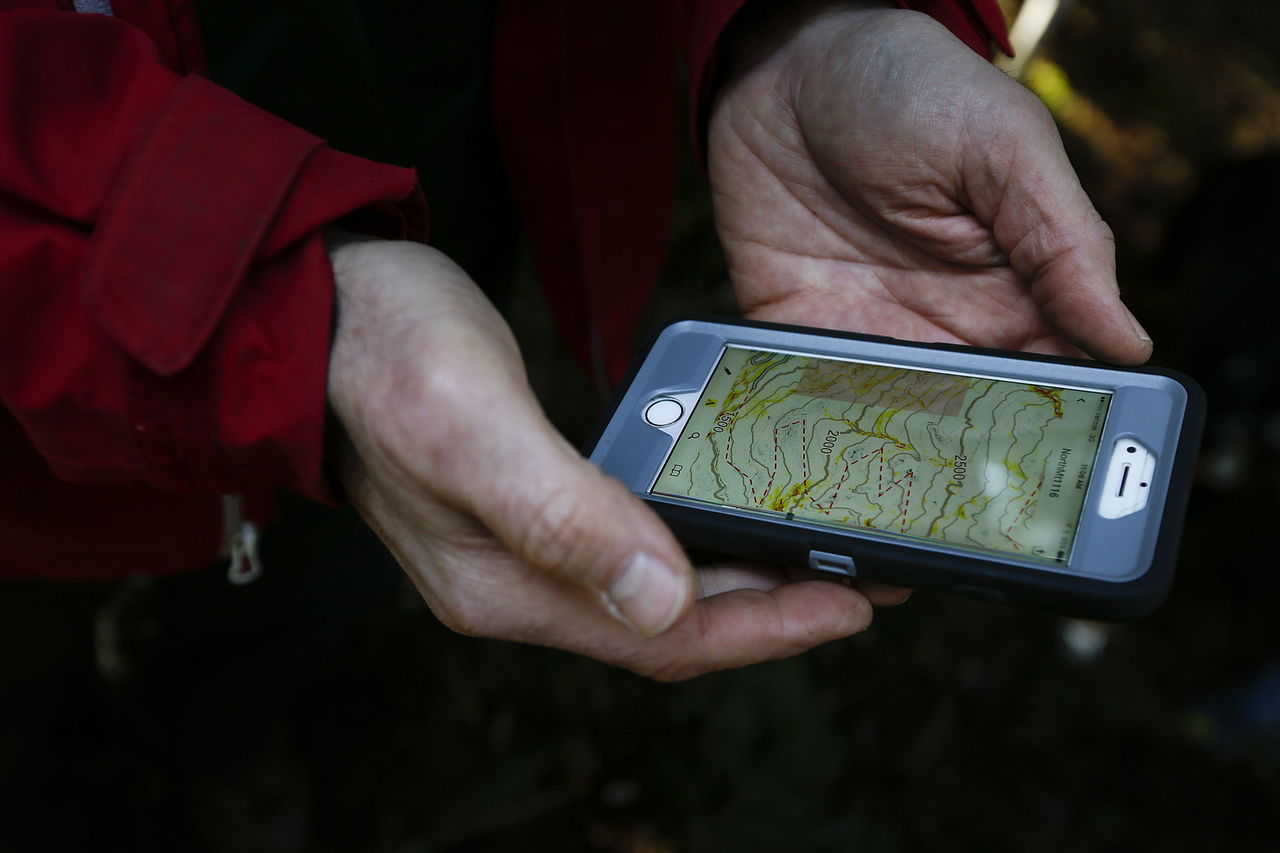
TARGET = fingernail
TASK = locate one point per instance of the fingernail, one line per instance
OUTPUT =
(1137, 328)
(647, 596)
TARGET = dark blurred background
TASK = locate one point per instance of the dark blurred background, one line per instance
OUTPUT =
(950, 724)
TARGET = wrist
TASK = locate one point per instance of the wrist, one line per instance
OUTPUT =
(762, 30)
(350, 346)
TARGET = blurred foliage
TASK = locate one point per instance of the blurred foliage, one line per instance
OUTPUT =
(1153, 98)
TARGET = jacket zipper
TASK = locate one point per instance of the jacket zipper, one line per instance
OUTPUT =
(239, 542)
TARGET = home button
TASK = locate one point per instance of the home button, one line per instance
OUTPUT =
(663, 412)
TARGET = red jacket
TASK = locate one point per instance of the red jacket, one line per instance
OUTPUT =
(165, 297)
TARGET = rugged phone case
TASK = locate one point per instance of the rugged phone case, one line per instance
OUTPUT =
(971, 575)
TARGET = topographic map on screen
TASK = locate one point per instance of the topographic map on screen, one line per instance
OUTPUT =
(972, 461)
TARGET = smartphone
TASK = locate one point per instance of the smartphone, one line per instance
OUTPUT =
(1050, 482)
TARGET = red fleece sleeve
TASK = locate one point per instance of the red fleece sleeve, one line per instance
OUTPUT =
(165, 295)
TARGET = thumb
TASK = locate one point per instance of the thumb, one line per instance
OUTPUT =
(1057, 242)
(560, 514)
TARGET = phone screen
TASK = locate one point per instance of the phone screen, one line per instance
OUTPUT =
(965, 460)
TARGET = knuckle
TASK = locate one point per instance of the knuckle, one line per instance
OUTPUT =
(665, 669)
(556, 531)
(1104, 232)
(464, 621)
(435, 431)
(676, 673)
(474, 615)
(462, 596)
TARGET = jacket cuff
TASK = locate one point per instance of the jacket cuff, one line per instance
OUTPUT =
(706, 24)
(208, 271)
(168, 254)
(978, 23)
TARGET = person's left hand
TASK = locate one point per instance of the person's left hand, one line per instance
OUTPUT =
(501, 524)
(871, 173)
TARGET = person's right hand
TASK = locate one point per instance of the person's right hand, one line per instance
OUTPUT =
(505, 529)
(872, 173)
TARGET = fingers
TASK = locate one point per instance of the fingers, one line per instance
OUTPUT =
(1071, 273)
(428, 382)
(560, 514)
(719, 579)
(732, 629)
(1055, 239)
(883, 594)
(570, 520)
(505, 528)
(749, 626)
(491, 592)
(879, 594)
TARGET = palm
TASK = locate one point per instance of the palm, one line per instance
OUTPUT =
(817, 260)
(935, 205)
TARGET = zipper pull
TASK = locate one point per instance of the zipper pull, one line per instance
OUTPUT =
(246, 566)
(240, 543)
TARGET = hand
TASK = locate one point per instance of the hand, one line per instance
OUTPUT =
(505, 529)
(871, 173)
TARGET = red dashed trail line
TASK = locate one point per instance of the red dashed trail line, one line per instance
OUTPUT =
(898, 482)
(777, 451)
(804, 453)
(728, 457)
(848, 466)
(906, 505)
(759, 498)
(1030, 499)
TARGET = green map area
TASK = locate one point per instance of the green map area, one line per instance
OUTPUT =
(981, 463)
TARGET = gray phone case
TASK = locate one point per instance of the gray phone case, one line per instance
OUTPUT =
(1119, 568)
